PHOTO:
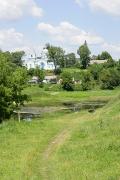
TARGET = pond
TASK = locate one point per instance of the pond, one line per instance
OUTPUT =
(28, 113)
(86, 105)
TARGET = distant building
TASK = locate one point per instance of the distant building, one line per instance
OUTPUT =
(34, 80)
(33, 61)
(98, 61)
(50, 79)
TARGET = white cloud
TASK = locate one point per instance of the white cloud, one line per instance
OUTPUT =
(36, 11)
(10, 38)
(15, 9)
(30, 49)
(79, 2)
(69, 34)
(114, 49)
(109, 6)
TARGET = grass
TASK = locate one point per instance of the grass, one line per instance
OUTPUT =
(49, 98)
(92, 151)
(64, 146)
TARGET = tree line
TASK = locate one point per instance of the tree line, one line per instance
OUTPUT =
(60, 59)
(14, 77)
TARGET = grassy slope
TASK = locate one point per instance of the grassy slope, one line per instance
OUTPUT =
(63, 146)
(93, 150)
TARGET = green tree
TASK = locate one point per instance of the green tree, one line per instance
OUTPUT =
(5, 90)
(84, 54)
(70, 60)
(31, 72)
(67, 81)
(87, 82)
(118, 65)
(39, 73)
(110, 63)
(18, 83)
(95, 70)
(109, 78)
(104, 56)
(12, 82)
(17, 57)
(56, 55)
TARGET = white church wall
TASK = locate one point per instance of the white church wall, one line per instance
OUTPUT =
(30, 61)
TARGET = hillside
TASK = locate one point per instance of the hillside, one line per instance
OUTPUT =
(79, 145)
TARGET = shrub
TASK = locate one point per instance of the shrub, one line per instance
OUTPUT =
(67, 81)
(78, 87)
(109, 78)
(57, 71)
(87, 82)
(95, 70)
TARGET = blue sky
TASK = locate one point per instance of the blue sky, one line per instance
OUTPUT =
(29, 24)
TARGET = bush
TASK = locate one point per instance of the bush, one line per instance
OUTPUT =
(31, 72)
(57, 71)
(95, 70)
(67, 81)
(78, 87)
(110, 63)
(87, 82)
(109, 78)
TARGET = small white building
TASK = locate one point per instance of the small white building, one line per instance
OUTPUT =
(98, 61)
(50, 79)
(33, 61)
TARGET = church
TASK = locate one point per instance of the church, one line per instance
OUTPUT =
(33, 61)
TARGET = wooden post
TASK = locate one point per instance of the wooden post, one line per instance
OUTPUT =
(19, 116)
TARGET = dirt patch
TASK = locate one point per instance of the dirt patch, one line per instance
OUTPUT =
(56, 143)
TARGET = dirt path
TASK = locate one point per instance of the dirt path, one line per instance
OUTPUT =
(56, 144)
(53, 146)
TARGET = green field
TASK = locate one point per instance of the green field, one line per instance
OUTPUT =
(51, 98)
(63, 146)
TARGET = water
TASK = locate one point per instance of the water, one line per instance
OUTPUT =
(29, 113)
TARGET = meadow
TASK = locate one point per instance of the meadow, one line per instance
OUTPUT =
(57, 98)
(63, 145)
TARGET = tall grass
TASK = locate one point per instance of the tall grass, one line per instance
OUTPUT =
(89, 148)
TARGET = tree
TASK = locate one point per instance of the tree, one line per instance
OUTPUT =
(86, 81)
(104, 56)
(110, 63)
(12, 82)
(118, 65)
(56, 55)
(67, 81)
(31, 72)
(84, 54)
(17, 57)
(109, 78)
(18, 83)
(5, 90)
(57, 71)
(95, 70)
(70, 60)
(39, 73)
(94, 57)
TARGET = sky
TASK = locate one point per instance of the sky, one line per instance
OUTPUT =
(29, 24)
